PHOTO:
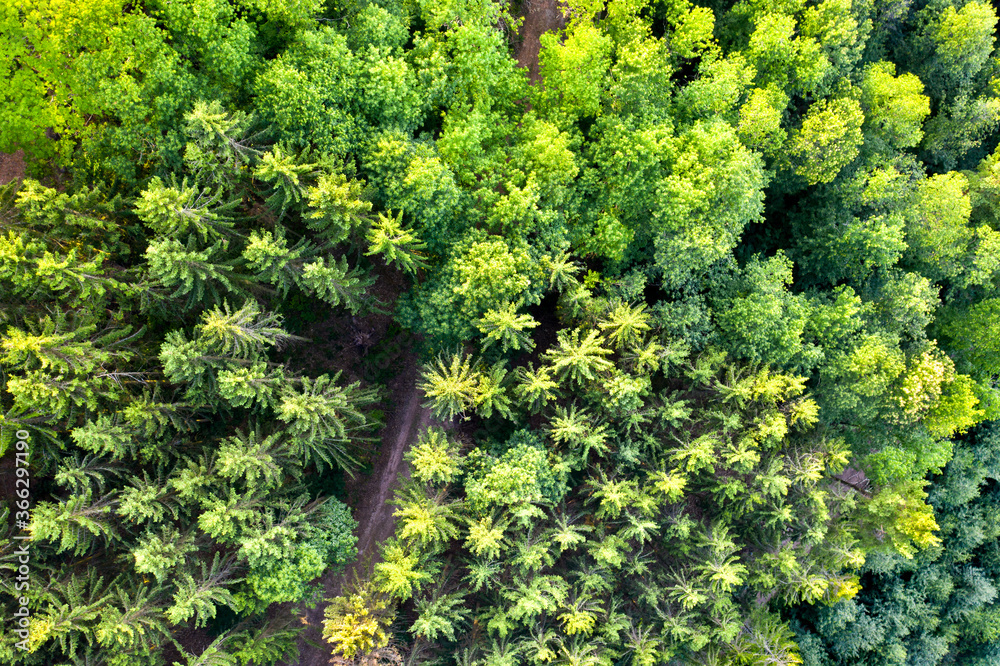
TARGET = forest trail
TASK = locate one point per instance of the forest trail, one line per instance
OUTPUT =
(540, 16)
(369, 497)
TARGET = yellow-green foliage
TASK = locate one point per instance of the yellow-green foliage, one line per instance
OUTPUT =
(358, 623)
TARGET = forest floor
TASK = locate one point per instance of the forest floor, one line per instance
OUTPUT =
(11, 167)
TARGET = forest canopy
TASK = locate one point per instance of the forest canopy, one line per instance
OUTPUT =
(700, 302)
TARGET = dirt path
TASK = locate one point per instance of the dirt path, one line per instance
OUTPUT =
(540, 16)
(372, 510)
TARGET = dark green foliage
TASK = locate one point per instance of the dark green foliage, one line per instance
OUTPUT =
(939, 607)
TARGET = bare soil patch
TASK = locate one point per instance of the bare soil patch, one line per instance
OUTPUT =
(12, 167)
